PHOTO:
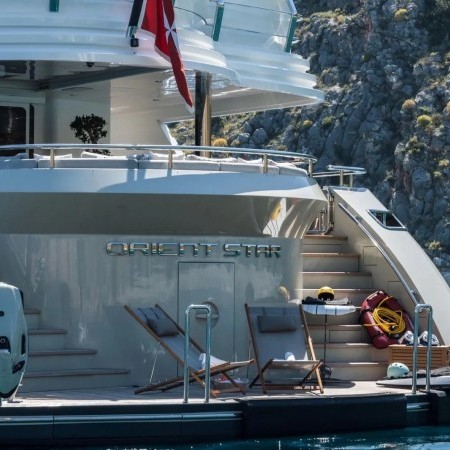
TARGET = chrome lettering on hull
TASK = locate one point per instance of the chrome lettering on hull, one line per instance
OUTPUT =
(116, 248)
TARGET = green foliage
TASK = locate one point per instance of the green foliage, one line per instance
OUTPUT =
(443, 163)
(366, 57)
(389, 176)
(436, 119)
(434, 246)
(425, 110)
(447, 109)
(307, 124)
(401, 15)
(408, 104)
(424, 121)
(414, 145)
(328, 121)
(89, 129)
(220, 142)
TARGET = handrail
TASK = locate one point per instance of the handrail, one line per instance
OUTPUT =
(429, 342)
(194, 13)
(292, 157)
(341, 171)
(208, 352)
(388, 259)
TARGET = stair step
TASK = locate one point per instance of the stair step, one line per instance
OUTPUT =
(358, 371)
(330, 262)
(337, 280)
(46, 338)
(55, 359)
(47, 380)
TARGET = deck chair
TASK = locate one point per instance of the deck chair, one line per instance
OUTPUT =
(172, 338)
(283, 348)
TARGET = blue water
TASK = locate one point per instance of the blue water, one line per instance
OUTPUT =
(420, 438)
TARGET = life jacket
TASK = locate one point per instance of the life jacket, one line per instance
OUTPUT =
(380, 335)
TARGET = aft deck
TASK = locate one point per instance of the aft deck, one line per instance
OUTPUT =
(117, 415)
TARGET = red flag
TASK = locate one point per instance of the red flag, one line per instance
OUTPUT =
(159, 19)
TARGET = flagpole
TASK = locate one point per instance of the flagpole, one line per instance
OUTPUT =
(203, 110)
(134, 22)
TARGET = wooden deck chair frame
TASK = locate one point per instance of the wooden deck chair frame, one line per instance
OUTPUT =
(307, 366)
(194, 374)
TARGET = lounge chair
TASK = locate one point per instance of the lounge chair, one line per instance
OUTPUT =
(283, 348)
(172, 338)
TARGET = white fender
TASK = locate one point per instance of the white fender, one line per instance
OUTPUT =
(13, 340)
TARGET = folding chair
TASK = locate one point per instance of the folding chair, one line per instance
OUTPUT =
(283, 348)
(172, 338)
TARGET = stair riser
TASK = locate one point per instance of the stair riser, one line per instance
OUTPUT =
(345, 355)
(46, 341)
(339, 337)
(371, 373)
(76, 382)
(330, 263)
(316, 280)
(32, 320)
(318, 243)
(329, 247)
(59, 362)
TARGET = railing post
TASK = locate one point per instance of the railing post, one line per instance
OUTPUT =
(290, 35)
(265, 163)
(53, 5)
(417, 310)
(218, 19)
(207, 350)
(52, 157)
(170, 159)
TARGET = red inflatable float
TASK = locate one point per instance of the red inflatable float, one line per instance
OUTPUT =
(384, 319)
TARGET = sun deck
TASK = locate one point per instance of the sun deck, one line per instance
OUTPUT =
(114, 415)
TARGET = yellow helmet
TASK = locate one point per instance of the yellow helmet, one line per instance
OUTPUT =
(325, 293)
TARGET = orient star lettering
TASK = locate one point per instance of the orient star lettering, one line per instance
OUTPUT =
(193, 249)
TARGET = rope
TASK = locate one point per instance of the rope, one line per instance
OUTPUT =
(391, 322)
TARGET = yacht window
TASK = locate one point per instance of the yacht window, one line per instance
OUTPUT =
(386, 219)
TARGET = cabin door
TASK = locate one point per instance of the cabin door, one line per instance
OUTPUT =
(211, 284)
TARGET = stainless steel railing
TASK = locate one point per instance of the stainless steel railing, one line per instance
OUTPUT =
(324, 222)
(341, 172)
(207, 352)
(417, 310)
(265, 155)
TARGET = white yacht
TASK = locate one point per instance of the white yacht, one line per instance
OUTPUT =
(83, 234)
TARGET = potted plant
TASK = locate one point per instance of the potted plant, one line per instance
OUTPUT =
(89, 130)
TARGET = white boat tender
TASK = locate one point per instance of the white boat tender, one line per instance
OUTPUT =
(13, 341)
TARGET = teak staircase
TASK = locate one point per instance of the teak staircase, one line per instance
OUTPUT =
(54, 366)
(349, 352)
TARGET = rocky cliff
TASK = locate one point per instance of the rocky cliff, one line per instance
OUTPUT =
(385, 68)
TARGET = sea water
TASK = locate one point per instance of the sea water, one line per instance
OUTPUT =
(418, 438)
